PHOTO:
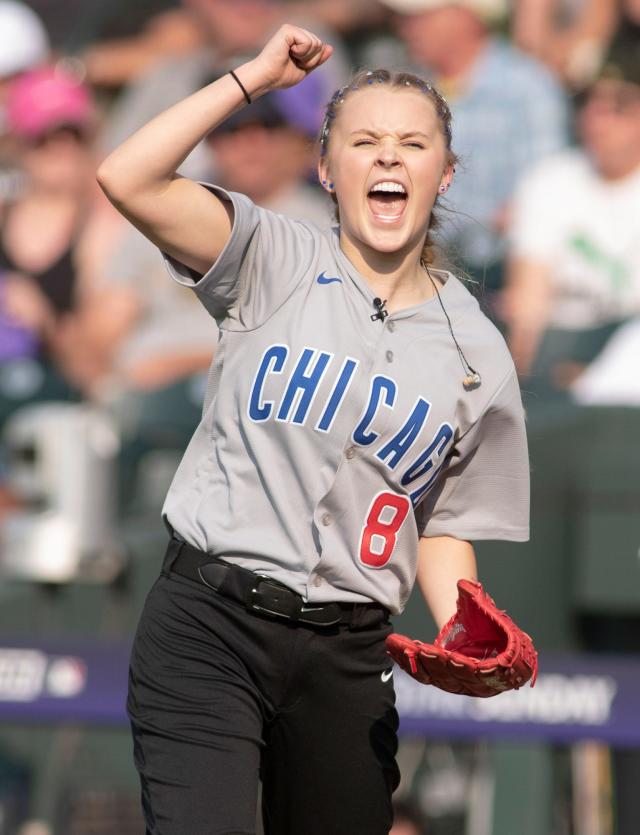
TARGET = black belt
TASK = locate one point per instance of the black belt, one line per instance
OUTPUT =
(262, 595)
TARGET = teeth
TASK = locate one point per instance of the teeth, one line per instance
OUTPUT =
(388, 186)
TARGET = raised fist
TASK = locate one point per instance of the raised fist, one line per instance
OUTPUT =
(290, 55)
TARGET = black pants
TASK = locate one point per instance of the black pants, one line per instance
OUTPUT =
(219, 697)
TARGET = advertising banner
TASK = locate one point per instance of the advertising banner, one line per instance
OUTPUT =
(576, 696)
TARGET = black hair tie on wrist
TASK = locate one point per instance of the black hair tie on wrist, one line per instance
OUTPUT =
(240, 85)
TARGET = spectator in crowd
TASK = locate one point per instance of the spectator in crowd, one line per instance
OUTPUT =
(571, 38)
(266, 152)
(48, 123)
(23, 44)
(132, 332)
(508, 112)
(114, 62)
(233, 30)
(52, 235)
(142, 349)
(575, 249)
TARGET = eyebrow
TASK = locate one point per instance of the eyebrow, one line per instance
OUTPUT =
(400, 135)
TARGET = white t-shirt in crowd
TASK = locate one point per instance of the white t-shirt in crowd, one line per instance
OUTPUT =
(587, 230)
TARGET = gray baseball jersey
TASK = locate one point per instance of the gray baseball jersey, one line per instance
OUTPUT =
(330, 442)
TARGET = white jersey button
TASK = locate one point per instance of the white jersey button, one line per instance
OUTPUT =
(389, 356)
(391, 326)
(350, 452)
(326, 519)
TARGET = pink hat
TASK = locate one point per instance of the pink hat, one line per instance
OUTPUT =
(44, 99)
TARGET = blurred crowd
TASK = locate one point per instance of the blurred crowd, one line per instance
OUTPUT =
(543, 212)
(543, 216)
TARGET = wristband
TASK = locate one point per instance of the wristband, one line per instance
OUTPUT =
(240, 85)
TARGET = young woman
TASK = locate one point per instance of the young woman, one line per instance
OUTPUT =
(346, 446)
(52, 235)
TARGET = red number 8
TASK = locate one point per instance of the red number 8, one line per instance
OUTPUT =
(387, 531)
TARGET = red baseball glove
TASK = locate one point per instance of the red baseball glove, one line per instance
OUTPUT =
(479, 652)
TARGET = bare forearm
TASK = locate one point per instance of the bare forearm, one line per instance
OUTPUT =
(442, 561)
(532, 24)
(524, 340)
(148, 160)
(527, 302)
(181, 217)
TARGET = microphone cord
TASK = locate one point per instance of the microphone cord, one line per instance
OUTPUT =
(473, 379)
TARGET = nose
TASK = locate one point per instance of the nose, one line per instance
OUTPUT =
(388, 156)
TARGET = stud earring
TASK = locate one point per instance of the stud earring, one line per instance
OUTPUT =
(442, 189)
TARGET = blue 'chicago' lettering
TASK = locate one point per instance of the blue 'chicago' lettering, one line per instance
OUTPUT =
(379, 385)
(337, 395)
(272, 362)
(301, 390)
(433, 455)
(399, 445)
(303, 387)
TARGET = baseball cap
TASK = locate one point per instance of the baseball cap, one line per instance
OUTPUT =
(24, 42)
(300, 107)
(486, 9)
(44, 99)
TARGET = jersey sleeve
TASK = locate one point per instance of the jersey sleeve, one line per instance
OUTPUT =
(484, 492)
(264, 259)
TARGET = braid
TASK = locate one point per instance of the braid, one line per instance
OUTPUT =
(365, 78)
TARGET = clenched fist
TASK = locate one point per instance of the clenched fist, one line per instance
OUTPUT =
(290, 55)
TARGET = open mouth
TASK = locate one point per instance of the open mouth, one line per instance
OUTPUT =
(387, 201)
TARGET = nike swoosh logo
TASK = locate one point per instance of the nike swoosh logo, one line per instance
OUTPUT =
(387, 675)
(324, 279)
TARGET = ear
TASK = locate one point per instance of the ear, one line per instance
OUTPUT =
(447, 178)
(323, 173)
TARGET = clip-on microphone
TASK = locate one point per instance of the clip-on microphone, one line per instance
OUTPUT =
(381, 312)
